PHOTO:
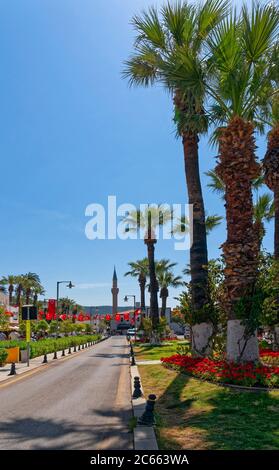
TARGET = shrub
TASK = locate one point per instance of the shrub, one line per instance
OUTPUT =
(3, 356)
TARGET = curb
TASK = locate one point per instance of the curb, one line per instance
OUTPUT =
(144, 436)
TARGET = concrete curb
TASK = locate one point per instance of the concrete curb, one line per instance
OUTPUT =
(144, 436)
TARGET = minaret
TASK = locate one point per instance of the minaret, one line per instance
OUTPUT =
(114, 292)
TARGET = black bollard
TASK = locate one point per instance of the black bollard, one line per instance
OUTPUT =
(45, 359)
(55, 355)
(137, 389)
(133, 362)
(82, 347)
(63, 353)
(13, 369)
(147, 418)
(79, 347)
(70, 351)
(75, 348)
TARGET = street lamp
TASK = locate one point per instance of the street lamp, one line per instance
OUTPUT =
(70, 286)
(126, 298)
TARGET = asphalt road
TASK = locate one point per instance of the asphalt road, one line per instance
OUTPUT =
(83, 402)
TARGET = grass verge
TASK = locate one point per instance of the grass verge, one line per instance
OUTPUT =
(147, 352)
(199, 415)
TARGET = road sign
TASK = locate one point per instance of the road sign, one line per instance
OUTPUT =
(29, 312)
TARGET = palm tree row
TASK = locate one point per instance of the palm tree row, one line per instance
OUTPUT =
(27, 286)
(221, 69)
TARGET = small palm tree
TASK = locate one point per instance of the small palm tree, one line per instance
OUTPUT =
(9, 281)
(139, 269)
(166, 279)
(148, 220)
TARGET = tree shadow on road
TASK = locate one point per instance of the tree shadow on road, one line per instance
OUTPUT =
(43, 433)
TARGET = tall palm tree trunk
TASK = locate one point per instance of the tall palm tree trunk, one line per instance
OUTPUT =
(154, 308)
(202, 331)
(271, 173)
(237, 168)
(11, 289)
(142, 283)
(164, 295)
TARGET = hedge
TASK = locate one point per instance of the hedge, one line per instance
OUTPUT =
(50, 345)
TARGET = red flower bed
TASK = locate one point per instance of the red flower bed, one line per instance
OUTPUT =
(270, 357)
(225, 372)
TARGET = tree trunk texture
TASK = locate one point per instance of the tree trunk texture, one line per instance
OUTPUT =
(198, 249)
(142, 283)
(164, 293)
(11, 289)
(237, 167)
(154, 308)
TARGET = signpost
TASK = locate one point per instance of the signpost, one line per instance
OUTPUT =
(29, 312)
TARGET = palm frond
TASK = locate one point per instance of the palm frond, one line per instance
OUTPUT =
(215, 183)
(149, 28)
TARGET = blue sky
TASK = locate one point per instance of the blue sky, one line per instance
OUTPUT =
(72, 133)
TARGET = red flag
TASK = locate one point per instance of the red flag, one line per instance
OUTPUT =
(51, 308)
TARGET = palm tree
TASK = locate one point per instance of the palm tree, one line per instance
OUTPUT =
(271, 159)
(37, 290)
(139, 269)
(166, 46)
(263, 212)
(166, 279)
(29, 282)
(9, 281)
(148, 221)
(239, 50)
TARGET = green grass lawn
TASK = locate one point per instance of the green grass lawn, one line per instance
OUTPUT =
(146, 352)
(198, 415)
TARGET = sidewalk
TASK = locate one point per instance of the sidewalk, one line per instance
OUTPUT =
(36, 363)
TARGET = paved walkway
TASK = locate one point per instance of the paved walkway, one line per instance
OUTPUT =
(79, 403)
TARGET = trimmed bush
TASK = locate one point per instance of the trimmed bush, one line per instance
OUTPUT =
(49, 345)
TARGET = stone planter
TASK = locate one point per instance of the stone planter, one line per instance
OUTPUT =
(235, 343)
(201, 333)
(23, 355)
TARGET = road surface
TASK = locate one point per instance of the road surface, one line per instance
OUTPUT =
(83, 402)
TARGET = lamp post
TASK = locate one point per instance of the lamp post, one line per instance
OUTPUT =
(70, 286)
(126, 300)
